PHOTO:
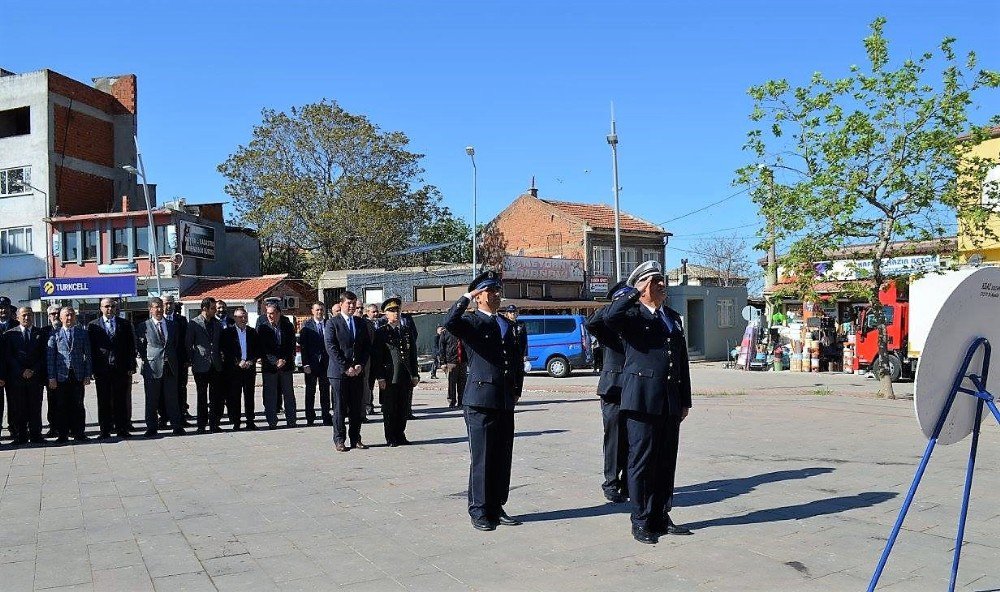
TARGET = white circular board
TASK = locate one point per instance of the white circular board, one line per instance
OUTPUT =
(970, 311)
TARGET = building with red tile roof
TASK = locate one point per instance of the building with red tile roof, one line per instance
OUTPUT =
(295, 296)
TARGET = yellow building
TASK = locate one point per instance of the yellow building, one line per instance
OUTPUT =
(988, 248)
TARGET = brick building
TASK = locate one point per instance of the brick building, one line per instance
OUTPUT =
(536, 227)
(62, 146)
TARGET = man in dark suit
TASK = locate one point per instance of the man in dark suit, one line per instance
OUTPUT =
(277, 347)
(171, 311)
(656, 397)
(495, 371)
(394, 362)
(50, 327)
(406, 320)
(70, 368)
(349, 348)
(454, 364)
(156, 342)
(314, 364)
(203, 344)
(511, 313)
(22, 369)
(609, 389)
(7, 322)
(112, 342)
(240, 352)
(225, 321)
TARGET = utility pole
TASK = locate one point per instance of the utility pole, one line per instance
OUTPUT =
(613, 141)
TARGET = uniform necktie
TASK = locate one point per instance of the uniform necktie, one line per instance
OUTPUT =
(277, 333)
(319, 327)
(350, 323)
(666, 321)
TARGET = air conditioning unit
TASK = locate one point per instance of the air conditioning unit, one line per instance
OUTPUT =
(166, 269)
(290, 302)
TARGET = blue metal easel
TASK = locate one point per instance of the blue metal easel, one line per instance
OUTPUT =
(980, 392)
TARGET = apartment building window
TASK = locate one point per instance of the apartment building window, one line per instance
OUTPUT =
(91, 245)
(726, 312)
(141, 241)
(119, 243)
(15, 241)
(162, 248)
(629, 260)
(603, 263)
(15, 122)
(652, 255)
(71, 246)
(14, 181)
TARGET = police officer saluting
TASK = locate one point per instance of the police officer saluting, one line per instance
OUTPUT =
(656, 397)
(394, 363)
(609, 389)
(495, 371)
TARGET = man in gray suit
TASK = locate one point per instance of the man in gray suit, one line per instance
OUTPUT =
(70, 369)
(203, 344)
(156, 342)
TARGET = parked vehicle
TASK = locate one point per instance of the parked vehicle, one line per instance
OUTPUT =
(557, 343)
(910, 308)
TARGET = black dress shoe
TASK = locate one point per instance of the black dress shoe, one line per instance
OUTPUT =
(37, 440)
(615, 497)
(215, 429)
(252, 427)
(505, 519)
(341, 448)
(105, 435)
(643, 536)
(124, 435)
(81, 438)
(360, 445)
(151, 434)
(391, 444)
(672, 528)
(484, 524)
(62, 439)
(179, 431)
(310, 421)
(405, 442)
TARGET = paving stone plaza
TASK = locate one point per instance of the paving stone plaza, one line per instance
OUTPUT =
(790, 483)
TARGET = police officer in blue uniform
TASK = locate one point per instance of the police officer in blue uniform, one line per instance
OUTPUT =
(495, 371)
(656, 397)
(609, 389)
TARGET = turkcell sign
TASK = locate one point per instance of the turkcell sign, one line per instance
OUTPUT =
(87, 287)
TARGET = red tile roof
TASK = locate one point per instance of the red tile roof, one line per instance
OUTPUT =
(602, 216)
(233, 289)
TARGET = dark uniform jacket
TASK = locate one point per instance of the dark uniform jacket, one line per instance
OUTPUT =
(16, 356)
(394, 358)
(346, 350)
(610, 383)
(232, 355)
(657, 379)
(112, 354)
(448, 349)
(272, 349)
(496, 367)
(313, 348)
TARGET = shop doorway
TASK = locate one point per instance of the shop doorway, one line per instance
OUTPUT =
(696, 327)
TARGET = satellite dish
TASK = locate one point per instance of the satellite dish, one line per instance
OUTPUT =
(969, 312)
(976, 260)
(750, 314)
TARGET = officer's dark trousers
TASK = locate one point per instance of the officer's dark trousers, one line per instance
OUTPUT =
(161, 391)
(70, 414)
(348, 406)
(211, 398)
(278, 388)
(312, 381)
(652, 458)
(456, 383)
(241, 381)
(114, 402)
(24, 413)
(615, 446)
(394, 414)
(491, 446)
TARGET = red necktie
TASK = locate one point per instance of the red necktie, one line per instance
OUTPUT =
(460, 356)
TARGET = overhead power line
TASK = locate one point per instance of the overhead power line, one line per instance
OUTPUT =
(703, 208)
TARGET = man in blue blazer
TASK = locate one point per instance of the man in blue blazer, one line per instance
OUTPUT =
(656, 397)
(314, 364)
(609, 389)
(349, 347)
(495, 371)
(70, 368)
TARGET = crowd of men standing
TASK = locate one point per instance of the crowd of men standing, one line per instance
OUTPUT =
(343, 357)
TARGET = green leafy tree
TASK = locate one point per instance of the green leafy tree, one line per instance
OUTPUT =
(882, 154)
(324, 182)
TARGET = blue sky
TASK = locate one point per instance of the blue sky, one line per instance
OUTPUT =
(529, 84)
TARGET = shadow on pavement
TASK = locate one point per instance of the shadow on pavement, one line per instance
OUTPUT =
(723, 489)
(456, 440)
(554, 401)
(589, 512)
(833, 505)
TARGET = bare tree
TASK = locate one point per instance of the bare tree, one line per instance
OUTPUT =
(727, 258)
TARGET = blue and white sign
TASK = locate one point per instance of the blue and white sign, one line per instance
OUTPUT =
(87, 287)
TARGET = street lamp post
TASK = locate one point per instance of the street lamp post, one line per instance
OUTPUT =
(141, 173)
(475, 234)
(613, 141)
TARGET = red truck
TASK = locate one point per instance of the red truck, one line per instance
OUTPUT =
(895, 298)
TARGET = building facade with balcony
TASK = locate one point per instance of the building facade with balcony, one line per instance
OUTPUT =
(62, 146)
